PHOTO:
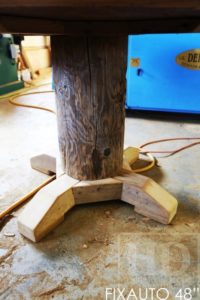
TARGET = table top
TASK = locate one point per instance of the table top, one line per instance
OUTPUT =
(100, 9)
(97, 11)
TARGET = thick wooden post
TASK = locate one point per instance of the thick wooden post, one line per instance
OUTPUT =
(89, 75)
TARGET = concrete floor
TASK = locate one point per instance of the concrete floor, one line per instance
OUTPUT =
(123, 249)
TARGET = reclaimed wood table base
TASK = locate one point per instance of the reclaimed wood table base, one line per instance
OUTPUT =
(48, 208)
(89, 76)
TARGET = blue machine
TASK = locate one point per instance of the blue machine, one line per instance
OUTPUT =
(155, 81)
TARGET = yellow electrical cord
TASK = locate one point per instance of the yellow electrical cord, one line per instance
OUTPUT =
(26, 197)
(13, 101)
(25, 91)
(22, 91)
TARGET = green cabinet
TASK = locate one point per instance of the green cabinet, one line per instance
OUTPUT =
(8, 69)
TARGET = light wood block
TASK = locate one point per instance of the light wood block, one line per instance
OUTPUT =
(47, 209)
(44, 163)
(36, 58)
(148, 198)
(131, 154)
(97, 190)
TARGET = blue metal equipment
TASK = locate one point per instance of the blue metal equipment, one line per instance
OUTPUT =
(158, 80)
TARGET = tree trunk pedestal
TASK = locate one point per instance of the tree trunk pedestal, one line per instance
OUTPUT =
(89, 77)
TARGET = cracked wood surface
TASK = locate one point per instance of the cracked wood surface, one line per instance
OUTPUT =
(89, 76)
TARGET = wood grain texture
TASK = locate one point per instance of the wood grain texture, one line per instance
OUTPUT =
(44, 163)
(97, 191)
(148, 198)
(89, 75)
(46, 210)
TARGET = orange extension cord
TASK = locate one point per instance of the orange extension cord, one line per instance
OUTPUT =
(170, 152)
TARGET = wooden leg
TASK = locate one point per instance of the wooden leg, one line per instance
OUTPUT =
(44, 163)
(47, 209)
(148, 198)
(89, 76)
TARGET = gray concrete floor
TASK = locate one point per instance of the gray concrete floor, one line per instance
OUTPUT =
(123, 249)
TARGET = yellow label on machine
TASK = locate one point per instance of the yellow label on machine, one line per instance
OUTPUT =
(189, 59)
(135, 62)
